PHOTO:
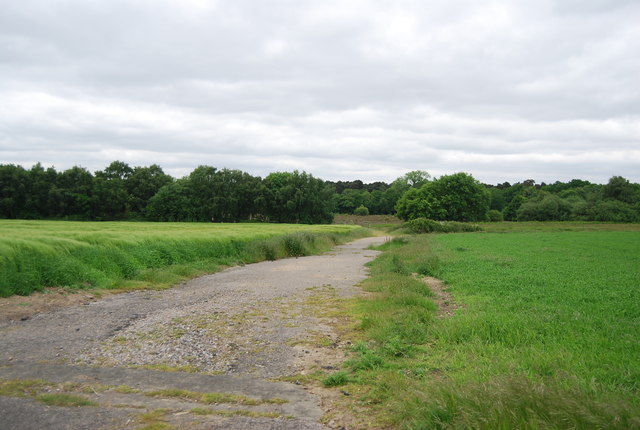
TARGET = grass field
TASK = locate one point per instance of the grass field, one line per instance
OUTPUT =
(38, 254)
(548, 335)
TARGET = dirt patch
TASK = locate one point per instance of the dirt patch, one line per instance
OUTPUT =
(366, 220)
(16, 308)
(443, 299)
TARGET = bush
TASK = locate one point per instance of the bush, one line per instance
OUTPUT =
(361, 210)
(613, 211)
(544, 207)
(495, 216)
(424, 225)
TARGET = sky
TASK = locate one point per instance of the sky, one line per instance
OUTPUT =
(342, 89)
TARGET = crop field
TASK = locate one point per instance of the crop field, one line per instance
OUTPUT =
(546, 333)
(38, 254)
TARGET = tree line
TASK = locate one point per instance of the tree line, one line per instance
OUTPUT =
(208, 194)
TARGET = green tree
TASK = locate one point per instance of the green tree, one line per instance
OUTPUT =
(14, 182)
(237, 195)
(613, 211)
(415, 178)
(419, 203)
(296, 197)
(350, 199)
(39, 185)
(172, 203)
(142, 183)
(498, 201)
(410, 180)
(457, 197)
(110, 199)
(74, 188)
(544, 207)
(510, 212)
(619, 188)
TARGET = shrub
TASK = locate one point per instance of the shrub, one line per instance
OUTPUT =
(361, 210)
(495, 216)
(424, 225)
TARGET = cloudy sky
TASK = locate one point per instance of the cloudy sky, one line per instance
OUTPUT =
(344, 89)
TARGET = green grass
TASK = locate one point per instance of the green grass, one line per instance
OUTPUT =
(336, 379)
(212, 398)
(38, 254)
(37, 389)
(235, 413)
(548, 336)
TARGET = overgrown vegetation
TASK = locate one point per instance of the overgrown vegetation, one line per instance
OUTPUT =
(38, 254)
(547, 337)
(424, 225)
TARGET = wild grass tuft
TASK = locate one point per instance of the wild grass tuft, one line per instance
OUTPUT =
(336, 379)
(212, 398)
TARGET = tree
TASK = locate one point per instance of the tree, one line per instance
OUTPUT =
(39, 185)
(75, 188)
(13, 190)
(510, 212)
(350, 199)
(236, 196)
(142, 183)
(416, 178)
(110, 198)
(419, 203)
(457, 197)
(619, 188)
(410, 180)
(544, 207)
(116, 170)
(172, 203)
(498, 202)
(613, 211)
(296, 197)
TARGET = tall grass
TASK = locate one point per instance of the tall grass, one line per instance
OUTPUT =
(547, 338)
(38, 254)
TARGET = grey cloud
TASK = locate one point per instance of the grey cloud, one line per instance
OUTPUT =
(341, 89)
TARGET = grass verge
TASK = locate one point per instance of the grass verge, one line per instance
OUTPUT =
(547, 337)
(128, 255)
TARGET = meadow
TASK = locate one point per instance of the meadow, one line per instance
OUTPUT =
(546, 334)
(129, 255)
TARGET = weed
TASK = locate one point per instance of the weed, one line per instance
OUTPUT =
(212, 398)
(235, 413)
(154, 419)
(336, 379)
(22, 388)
